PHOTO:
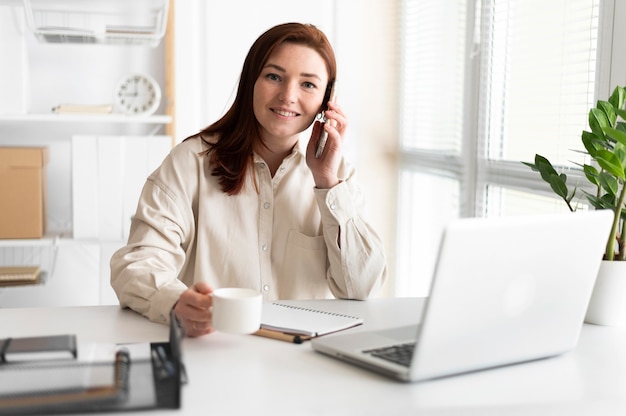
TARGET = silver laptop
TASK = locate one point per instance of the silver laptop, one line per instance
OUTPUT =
(505, 290)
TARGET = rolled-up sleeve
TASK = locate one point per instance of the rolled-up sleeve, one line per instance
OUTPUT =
(357, 264)
(144, 272)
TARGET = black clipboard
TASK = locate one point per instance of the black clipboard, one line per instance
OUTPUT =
(153, 383)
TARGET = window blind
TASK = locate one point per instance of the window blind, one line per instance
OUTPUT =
(433, 56)
(538, 61)
(532, 92)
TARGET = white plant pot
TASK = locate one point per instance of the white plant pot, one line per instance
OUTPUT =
(608, 300)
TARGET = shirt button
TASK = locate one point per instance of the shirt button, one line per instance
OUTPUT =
(282, 168)
(264, 247)
(266, 288)
(267, 205)
(333, 206)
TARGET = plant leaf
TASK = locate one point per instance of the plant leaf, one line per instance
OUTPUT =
(557, 183)
(611, 163)
(620, 153)
(621, 113)
(572, 195)
(609, 111)
(544, 167)
(618, 97)
(605, 202)
(597, 121)
(592, 174)
(531, 165)
(615, 134)
(608, 183)
(592, 143)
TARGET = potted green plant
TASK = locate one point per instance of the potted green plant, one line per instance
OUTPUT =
(606, 146)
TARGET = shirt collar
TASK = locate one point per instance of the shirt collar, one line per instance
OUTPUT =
(298, 149)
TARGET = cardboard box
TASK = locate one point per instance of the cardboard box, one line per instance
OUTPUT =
(22, 192)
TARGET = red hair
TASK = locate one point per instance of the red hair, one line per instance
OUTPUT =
(238, 130)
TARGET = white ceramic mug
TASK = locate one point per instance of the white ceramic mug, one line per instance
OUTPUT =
(237, 310)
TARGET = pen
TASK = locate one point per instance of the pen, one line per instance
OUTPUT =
(161, 370)
(169, 367)
(281, 336)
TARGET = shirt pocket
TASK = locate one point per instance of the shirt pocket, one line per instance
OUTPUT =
(304, 267)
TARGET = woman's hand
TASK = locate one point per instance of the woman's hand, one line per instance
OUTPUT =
(325, 168)
(193, 310)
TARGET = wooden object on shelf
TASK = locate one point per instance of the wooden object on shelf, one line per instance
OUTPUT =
(83, 109)
(19, 275)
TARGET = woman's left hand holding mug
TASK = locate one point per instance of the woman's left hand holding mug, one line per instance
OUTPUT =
(193, 310)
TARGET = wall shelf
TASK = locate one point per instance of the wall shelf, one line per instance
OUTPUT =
(76, 43)
(30, 242)
(138, 22)
(85, 118)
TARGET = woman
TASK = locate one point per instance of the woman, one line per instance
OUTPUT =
(244, 203)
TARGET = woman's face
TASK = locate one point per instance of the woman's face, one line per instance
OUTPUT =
(289, 92)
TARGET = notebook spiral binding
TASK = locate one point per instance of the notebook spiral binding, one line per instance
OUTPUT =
(314, 310)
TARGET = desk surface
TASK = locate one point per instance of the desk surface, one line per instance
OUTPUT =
(244, 374)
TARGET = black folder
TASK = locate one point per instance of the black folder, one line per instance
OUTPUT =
(153, 383)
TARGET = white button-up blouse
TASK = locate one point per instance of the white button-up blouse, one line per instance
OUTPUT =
(283, 237)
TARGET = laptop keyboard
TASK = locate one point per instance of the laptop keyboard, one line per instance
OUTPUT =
(399, 354)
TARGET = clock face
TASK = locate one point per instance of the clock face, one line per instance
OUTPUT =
(137, 94)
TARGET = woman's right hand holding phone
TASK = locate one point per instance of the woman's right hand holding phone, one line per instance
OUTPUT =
(324, 168)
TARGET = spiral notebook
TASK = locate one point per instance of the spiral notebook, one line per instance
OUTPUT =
(304, 322)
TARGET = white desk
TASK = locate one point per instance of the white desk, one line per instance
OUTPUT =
(230, 374)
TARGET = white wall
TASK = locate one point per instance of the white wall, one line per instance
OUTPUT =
(366, 44)
(212, 39)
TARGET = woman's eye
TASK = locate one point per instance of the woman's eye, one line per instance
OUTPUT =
(309, 85)
(273, 77)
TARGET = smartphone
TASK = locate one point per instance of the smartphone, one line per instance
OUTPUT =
(321, 117)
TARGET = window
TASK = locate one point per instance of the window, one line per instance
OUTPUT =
(486, 85)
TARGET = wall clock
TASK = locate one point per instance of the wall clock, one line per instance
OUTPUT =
(137, 94)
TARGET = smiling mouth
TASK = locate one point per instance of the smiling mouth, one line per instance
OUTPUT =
(285, 113)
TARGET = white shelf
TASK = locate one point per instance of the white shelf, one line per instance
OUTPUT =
(30, 252)
(85, 118)
(29, 242)
(121, 22)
